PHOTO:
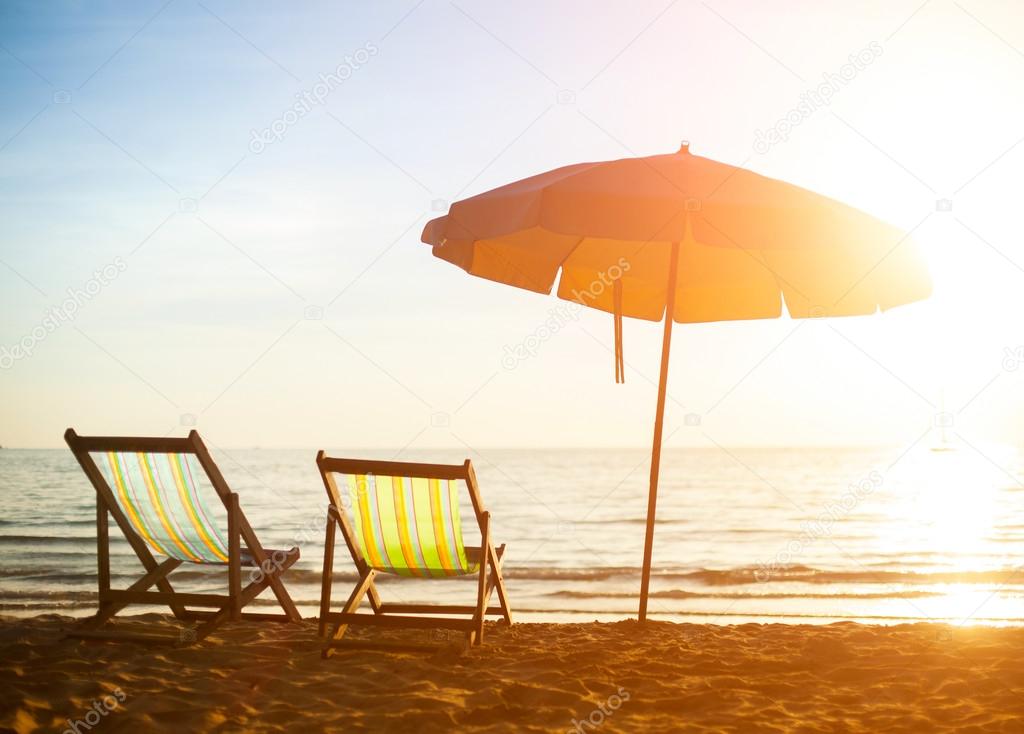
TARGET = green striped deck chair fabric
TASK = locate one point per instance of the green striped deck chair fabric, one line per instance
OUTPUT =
(406, 526)
(162, 495)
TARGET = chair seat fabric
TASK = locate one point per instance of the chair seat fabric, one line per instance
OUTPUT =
(409, 526)
(162, 498)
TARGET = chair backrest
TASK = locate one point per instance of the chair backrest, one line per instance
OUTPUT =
(163, 489)
(403, 518)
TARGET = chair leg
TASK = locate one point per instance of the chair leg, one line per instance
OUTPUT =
(499, 584)
(375, 601)
(327, 577)
(234, 558)
(203, 630)
(481, 593)
(273, 574)
(245, 595)
(364, 584)
(283, 597)
(157, 576)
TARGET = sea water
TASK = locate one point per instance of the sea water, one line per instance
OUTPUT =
(879, 535)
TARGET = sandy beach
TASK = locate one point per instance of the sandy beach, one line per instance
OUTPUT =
(615, 677)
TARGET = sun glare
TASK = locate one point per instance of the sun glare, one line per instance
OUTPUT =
(947, 499)
(946, 495)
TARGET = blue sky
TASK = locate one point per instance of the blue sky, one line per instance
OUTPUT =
(281, 297)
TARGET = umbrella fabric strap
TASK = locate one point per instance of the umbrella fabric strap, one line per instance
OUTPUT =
(620, 365)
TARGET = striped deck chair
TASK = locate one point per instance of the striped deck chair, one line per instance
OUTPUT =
(170, 499)
(403, 519)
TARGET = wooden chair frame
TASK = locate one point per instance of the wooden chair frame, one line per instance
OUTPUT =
(224, 607)
(412, 616)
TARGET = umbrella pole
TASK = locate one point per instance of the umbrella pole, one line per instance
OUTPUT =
(659, 421)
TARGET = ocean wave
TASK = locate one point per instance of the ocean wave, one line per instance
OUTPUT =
(682, 594)
(46, 539)
(759, 576)
(741, 576)
(809, 575)
(59, 595)
(633, 521)
(714, 616)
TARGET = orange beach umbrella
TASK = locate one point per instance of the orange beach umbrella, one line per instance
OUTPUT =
(685, 236)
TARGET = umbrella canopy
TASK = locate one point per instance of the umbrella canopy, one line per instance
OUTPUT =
(756, 242)
(683, 235)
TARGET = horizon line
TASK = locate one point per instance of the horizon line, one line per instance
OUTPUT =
(588, 447)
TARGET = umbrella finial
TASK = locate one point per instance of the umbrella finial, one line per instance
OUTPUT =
(684, 146)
